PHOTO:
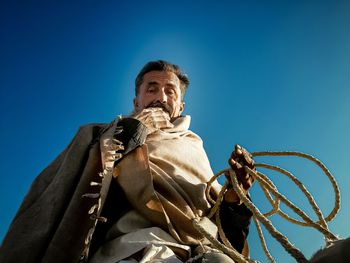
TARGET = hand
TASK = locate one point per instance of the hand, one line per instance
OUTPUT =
(154, 119)
(239, 158)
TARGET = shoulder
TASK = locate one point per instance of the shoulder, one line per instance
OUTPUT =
(92, 126)
(90, 132)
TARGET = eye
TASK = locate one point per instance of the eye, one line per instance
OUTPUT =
(171, 92)
(151, 89)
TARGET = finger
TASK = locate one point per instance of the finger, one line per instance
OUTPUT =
(248, 182)
(238, 149)
(245, 178)
(231, 161)
(234, 164)
(160, 113)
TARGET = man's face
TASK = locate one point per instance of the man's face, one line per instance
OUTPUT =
(160, 89)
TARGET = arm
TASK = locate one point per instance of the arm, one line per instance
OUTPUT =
(131, 132)
(235, 216)
(235, 221)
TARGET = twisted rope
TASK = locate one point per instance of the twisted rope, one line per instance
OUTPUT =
(319, 164)
(270, 189)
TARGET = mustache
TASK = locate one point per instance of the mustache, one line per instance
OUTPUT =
(158, 104)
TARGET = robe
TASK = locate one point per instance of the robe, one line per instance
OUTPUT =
(65, 215)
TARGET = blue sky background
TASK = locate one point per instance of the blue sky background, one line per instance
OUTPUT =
(269, 75)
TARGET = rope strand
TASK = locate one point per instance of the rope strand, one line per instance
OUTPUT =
(270, 189)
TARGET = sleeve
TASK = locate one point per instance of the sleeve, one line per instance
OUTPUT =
(131, 132)
(235, 221)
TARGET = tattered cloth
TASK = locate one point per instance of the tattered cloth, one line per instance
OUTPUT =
(53, 220)
(164, 180)
(166, 185)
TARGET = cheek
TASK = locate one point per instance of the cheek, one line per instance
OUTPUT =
(175, 105)
(172, 103)
(139, 103)
(144, 101)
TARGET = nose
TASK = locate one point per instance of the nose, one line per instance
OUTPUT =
(161, 96)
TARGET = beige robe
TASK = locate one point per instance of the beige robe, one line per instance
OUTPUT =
(165, 181)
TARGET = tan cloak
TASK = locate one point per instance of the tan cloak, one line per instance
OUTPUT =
(165, 180)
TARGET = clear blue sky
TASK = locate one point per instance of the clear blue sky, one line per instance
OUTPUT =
(269, 75)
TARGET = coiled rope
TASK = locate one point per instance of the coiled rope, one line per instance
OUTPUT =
(269, 189)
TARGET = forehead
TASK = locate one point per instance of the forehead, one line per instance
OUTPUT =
(161, 77)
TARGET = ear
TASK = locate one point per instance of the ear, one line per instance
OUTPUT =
(182, 107)
(136, 104)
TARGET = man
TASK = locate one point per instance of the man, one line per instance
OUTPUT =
(129, 191)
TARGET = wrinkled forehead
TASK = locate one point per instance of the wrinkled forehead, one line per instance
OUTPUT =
(161, 77)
